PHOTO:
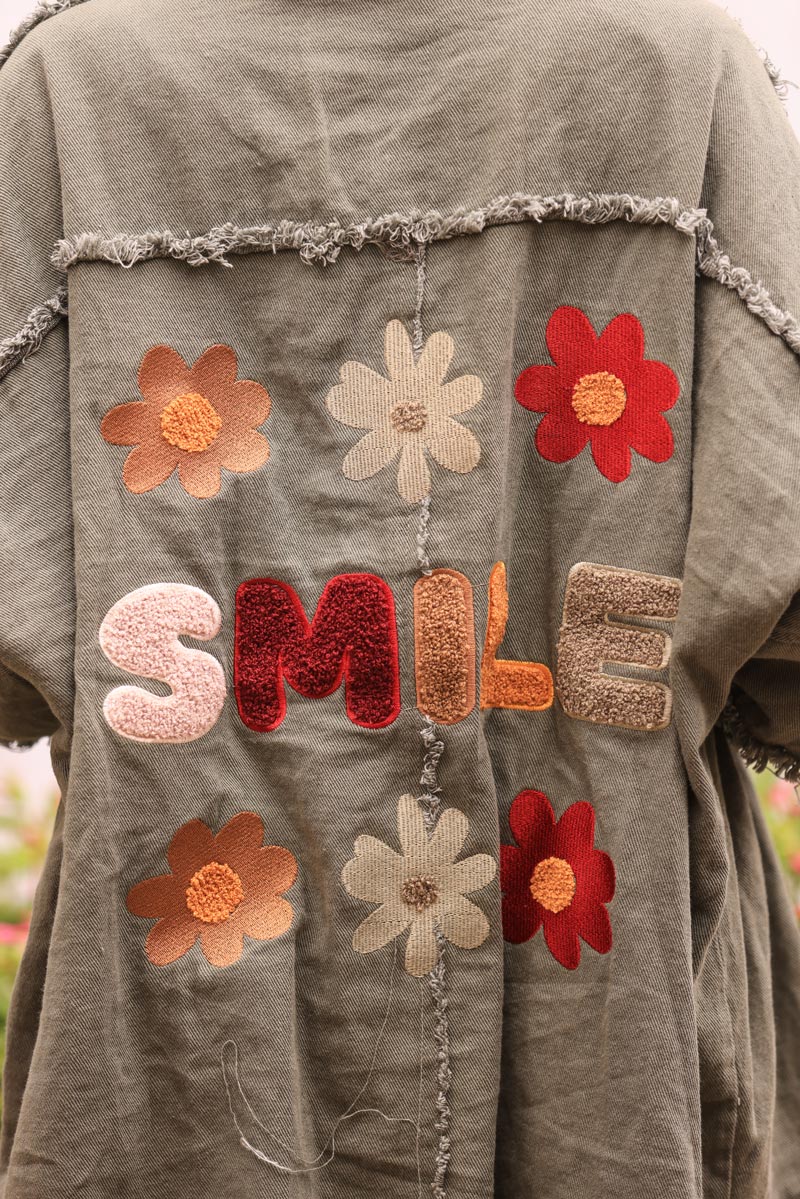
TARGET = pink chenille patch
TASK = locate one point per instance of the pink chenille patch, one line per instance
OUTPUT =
(141, 635)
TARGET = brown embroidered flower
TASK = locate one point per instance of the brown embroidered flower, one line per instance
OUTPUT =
(197, 418)
(221, 889)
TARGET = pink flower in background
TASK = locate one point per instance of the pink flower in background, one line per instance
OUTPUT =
(794, 862)
(13, 934)
(782, 796)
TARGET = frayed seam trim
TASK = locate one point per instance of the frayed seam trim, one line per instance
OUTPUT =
(15, 349)
(43, 10)
(776, 758)
(399, 234)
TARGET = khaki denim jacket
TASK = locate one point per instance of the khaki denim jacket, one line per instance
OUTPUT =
(401, 546)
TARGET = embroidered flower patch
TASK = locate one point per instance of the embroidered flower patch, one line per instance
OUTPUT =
(422, 888)
(601, 390)
(198, 419)
(554, 878)
(408, 414)
(221, 889)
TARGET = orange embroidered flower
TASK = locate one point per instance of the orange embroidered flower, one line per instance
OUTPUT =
(602, 390)
(197, 418)
(221, 889)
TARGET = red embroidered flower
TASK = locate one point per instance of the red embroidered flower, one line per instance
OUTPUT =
(555, 877)
(602, 390)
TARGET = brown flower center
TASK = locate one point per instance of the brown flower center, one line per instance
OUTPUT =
(599, 399)
(214, 893)
(553, 884)
(420, 891)
(190, 422)
(408, 417)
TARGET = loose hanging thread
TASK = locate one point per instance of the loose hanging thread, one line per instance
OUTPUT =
(328, 1151)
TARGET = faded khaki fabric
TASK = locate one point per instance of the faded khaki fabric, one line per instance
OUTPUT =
(668, 1066)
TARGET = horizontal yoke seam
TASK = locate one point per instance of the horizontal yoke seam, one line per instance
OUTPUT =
(399, 235)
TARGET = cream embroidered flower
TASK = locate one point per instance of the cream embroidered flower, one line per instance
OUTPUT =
(422, 888)
(408, 413)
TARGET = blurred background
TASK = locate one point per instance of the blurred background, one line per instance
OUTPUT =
(28, 792)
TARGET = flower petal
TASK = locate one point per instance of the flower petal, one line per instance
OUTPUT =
(538, 388)
(222, 943)
(455, 447)
(374, 877)
(265, 920)
(363, 398)
(155, 897)
(562, 938)
(215, 372)
(398, 350)
(533, 823)
(653, 438)
(163, 374)
(464, 924)
(246, 452)
(471, 874)
(190, 848)
(379, 928)
(448, 837)
(200, 474)
(238, 839)
(574, 837)
(127, 424)
(421, 949)
(277, 869)
(653, 384)
(596, 878)
(369, 456)
(522, 918)
(248, 401)
(459, 396)
(611, 453)
(596, 931)
(149, 465)
(622, 341)
(412, 832)
(413, 476)
(435, 359)
(170, 939)
(560, 436)
(570, 336)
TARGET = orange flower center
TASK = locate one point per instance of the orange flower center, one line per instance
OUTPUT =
(408, 417)
(214, 893)
(190, 422)
(553, 884)
(599, 399)
(420, 891)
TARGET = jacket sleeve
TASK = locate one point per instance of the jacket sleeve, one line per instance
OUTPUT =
(739, 628)
(36, 557)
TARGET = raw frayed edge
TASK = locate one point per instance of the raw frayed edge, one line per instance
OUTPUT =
(399, 234)
(444, 1074)
(776, 758)
(716, 264)
(15, 349)
(402, 235)
(780, 84)
(43, 10)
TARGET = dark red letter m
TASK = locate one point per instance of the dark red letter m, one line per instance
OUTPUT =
(353, 635)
